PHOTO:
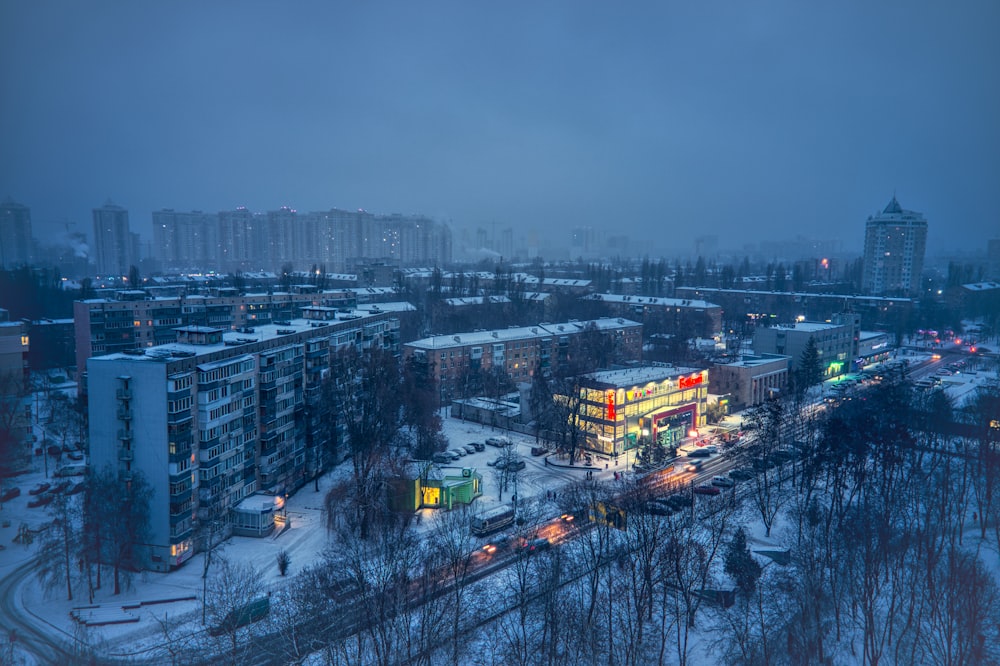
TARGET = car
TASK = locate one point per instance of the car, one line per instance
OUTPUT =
(469, 448)
(60, 488)
(75, 456)
(659, 508)
(40, 500)
(502, 542)
(516, 465)
(498, 442)
(39, 489)
(538, 451)
(700, 453)
(492, 463)
(706, 489)
(78, 488)
(723, 482)
(680, 501)
(479, 446)
(535, 545)
(10, 494)
(457, 453)
(741, 474)
(441, 457)
(567, 517)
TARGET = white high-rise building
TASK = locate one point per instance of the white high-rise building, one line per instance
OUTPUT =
(895, 242)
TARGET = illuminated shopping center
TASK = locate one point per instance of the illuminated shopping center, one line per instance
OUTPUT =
(658, 403)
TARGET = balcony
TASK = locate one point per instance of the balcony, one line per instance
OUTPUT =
(123, 394)
(125, 435)
(124, 414)
(125, 455)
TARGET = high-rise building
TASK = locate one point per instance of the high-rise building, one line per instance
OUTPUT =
(186, 240)
(116, 247)
(16, 242)
(895, 242)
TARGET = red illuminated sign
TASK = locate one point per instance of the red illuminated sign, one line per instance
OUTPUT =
(611, 405)
(689, 382)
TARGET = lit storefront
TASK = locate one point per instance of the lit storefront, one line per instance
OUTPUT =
(621, 408)
(873, 347)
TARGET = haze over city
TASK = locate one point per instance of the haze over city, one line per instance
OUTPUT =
(663, 122)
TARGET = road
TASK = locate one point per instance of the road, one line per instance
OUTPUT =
(39, 645)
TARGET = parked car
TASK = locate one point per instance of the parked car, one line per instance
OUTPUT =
(479, 446)
(457, 453)
(660, 508)
(680, 501)
(39, 489)
(723, 482)
(706, 489)
(469, 448)
(538, 451)
(10, 494)
(498, 442)
(516, 465)
(441, 457)
(741, 474)
(40, 500)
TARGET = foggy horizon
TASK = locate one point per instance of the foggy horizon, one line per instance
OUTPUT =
(662, 124)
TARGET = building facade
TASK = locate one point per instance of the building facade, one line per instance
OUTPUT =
(241, 240)
(218, 416)
(658, 404)
(750, 380)
(518, 351)
(895, 242)
(132, 319)
(836, 342)
(185, 241)
(116, 247)
(17, 245)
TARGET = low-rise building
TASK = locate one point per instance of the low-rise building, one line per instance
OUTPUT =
(836, 342)
(622, 409)
(449, 359)
(750, 380)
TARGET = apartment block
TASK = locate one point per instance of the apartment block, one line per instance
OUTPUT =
(131, 319)
(518, 351)
(218, 415)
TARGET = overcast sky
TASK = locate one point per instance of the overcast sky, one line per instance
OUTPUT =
(664, 121)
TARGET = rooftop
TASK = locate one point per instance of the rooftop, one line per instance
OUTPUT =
(642, 374)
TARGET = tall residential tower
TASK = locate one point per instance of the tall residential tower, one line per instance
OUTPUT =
(895, 241)
(116, 246)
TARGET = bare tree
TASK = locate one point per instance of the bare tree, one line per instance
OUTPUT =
(765, 433)
(13, 423)
(59, 545)
(117, 523)
(233, 589)
(368, 392)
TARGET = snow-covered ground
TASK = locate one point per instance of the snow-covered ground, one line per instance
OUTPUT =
(304, 541)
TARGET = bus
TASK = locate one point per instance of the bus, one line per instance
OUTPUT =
(493, 520)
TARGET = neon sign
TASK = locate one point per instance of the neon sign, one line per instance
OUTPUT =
(689, 382)
(611, 405)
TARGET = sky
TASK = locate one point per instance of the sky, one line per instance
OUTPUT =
(663, 121)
